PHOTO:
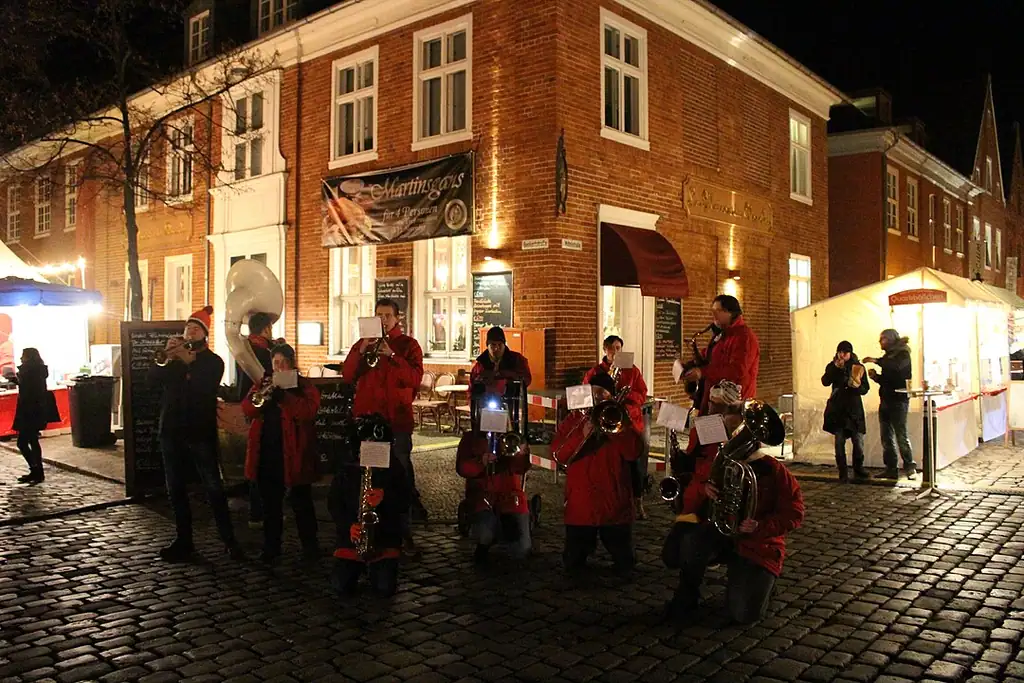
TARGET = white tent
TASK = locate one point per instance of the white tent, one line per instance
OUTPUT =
(961, 345)
(12, 266)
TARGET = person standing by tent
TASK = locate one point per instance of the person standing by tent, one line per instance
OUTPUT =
(36, 408)
(893, 406)
(844, 412)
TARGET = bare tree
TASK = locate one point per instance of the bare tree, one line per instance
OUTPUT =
(126, 102)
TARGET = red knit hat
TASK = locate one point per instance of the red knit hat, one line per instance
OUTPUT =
(202, 318)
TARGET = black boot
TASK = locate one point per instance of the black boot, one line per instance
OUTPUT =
(891, 473)
(860, 474)
(180, 550)
(844, 474)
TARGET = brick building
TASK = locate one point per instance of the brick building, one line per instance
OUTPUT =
(684, 132)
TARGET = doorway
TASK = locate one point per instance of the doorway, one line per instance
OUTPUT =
(625, 312)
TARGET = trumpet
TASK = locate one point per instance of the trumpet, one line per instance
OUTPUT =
(263, 394)
(372, 354)
(162, 357)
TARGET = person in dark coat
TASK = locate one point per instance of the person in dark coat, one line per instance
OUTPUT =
(896, 371)
(844, 412)
(36, 408)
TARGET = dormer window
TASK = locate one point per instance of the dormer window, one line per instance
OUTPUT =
(199, 37)
(276, 13)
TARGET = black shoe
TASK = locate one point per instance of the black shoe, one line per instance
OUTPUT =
(481, 554)
(37, 477)
(844, 475)
(861, 474)
(26, 478)
(180, 550)
(235, 551)
(891, 473)
(269, 556)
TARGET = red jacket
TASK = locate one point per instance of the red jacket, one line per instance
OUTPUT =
(693, 495)
(780, 509)
(389, 388)
(512, 366)
(635, 398)
(502, 491)
(598, 486)
(737, 358)
(298, 433)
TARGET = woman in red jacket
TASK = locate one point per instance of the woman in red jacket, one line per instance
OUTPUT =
(281, 456)
(598, 488)
(636, 396)
(753, 558)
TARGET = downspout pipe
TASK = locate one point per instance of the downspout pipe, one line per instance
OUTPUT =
(209, 205)
(298, 182)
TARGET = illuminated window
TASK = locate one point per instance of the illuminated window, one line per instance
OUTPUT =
(181, 146)
(13, 213)
(799, 156)
(199, 37)
(144, 278)
(275, 13)
(44, 193)
(353, 270)
(442, 95)
(70, 197)
(988, 245)
(912, 207)
(892, 201)
(799, 281)
(354, 116)
(959, 229)
(999, 248)
(624, 81)
(178, 287)
(141, 188)
(248, 136)
(947, 228)
(931, 219)
(444, 281)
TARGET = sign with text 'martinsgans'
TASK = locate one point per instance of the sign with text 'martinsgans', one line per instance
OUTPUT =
(415, 202)
(917, 296)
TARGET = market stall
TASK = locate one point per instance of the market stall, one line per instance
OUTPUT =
(958, 338)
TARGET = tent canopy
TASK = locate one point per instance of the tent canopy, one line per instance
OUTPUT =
(12, 266)
(16, 291)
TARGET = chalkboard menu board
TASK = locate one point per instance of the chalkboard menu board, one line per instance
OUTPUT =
(396, 289)
(668, 328)
(492, 301)
(332, 420)
(143, 463)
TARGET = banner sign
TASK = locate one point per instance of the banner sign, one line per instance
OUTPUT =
(416, 202)
(917, 296)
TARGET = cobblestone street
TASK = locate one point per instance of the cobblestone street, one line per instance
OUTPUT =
(879, 586)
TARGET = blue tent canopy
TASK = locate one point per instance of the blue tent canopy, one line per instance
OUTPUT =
(16, 291)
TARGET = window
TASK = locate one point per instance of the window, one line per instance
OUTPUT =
(892, 202)
(442, 94)
(959, 229)
(274, 13)
(977, 229)
(947, 228)
(999, 248)
(179, 172)
(353, 270)
(624, 81)
(13, 213)
(988, 245)
(44, 192)
(70, 197)
(800, 156)
(178, 287)
(988, 173)
(799, 281)
(248, 136)
(199, 37)
(911, 207)
(354, 116)
(444, 278)
(142, 194)
(931, 219)
(147, 314)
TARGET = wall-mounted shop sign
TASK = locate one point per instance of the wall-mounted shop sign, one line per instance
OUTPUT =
(415, 202)
(910, 297)
(534, 245)
(702, 199)
(572, 245)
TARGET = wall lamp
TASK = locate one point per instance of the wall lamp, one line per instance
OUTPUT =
(490, 254)
(734, 274)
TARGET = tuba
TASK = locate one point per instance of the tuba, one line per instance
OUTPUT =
(251, 288)
(732, 476)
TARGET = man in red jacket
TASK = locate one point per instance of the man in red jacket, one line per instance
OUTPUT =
(598, 490)
(632, 380)
(496, 366)
(281, 456)
(753, 558)
(737, 356)
(388, 390)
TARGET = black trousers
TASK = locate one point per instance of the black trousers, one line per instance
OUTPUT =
(581, 542)
(270, 480)
(28, 444)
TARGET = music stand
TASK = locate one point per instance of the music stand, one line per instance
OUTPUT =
(931, 466)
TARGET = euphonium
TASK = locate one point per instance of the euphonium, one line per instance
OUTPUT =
(252, 288)
(733, 476)
(367, 515)
(161, 357)
(372, 354)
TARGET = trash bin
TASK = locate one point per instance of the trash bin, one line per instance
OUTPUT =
(89, 399)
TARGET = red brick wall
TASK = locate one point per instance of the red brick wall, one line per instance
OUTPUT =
(855, 197)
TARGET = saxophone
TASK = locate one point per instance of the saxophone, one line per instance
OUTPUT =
(367, 515)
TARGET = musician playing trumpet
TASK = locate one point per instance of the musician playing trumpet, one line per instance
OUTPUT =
(598, 488)
(754, 556)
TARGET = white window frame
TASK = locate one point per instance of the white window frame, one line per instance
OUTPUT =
(797, 149)
(999, 250)
(442, 31)
(199, 38)
(892, 200)
(144, 277)
(988, 173)
(44, 205)
(142, 191)
(271, 8)
(988, 246)
(172, 263)
(641, 141)
(960, 227)
(13, 213)
(71, 185)
(339, 259)
(184, 155)
(912, 195)
(797, 282)
(422, 251)
(358, 99)
(947, 227)
(263, 133)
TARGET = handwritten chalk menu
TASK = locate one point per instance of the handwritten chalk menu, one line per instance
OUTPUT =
(332, 421)
(396, 289)
(492, 301)
(143, 463)
(668, 328)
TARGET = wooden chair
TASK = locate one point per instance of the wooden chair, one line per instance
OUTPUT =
(426, 401)
(446, 380)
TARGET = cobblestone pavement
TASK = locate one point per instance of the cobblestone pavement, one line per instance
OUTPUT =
(878, 586)
(62, 491)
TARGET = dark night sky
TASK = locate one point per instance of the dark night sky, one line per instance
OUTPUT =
(933, 62)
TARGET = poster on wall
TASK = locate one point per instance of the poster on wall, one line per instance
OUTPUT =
(415, 202)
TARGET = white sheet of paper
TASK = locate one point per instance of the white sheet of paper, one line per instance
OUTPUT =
(710, 429)
(494, 421)
(672, 416)
(375, 454)
(370, 328)
(286, 379)
(677, 370)
(579, 397)
(623, 360)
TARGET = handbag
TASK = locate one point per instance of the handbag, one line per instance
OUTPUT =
(50, 412)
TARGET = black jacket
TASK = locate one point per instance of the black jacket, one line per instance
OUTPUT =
(37, 407)
(244, 381)
(894, 371)
(188, 406)
(845, 409)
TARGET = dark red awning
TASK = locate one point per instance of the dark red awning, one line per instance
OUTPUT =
(633, 257)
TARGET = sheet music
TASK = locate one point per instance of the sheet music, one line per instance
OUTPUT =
(623, 360)
(580, 396)
(672, 417)
(711, 429)
(370, 328)
(494, 421)
(375, 454)
(677, 370)
(286, 379)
